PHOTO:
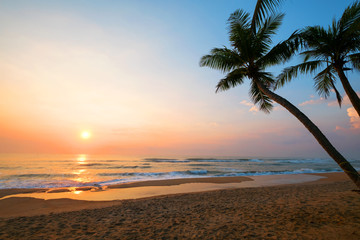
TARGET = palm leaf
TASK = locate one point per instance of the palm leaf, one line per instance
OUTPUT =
(239, 18)
(240, 39)
(267, 29)
(240, 33)
(281, 52)
(231, 80)
(270, 25)
(355, 60)
(267, 79)
(350, 19)
(315, 38)
(222, 59)
(262, 8)
(291, 72)
(324, 81)
(263, 101)
(338, 95)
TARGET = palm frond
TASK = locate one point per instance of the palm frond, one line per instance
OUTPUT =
(338, 95)
(314, 38)
(267, 79)
(263, 101)
(350, 19)
(281, 52)
(240, 34)
(292, 72)
(222, 59)
(267, 29)
(262, 8)
(355, 60)
(270, 25)
(240, 39)
(324, 81)
(231, 80)
(239, 18)
(315, 53)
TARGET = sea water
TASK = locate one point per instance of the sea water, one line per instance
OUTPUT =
(49, 171)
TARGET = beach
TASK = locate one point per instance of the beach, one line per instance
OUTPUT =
(326, 208)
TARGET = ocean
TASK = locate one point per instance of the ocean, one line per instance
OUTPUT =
(54, 171)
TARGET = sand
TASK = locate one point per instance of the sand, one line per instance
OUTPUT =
(322, 209)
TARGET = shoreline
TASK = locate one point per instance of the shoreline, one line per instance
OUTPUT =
(321, 209)
(149, 183)
(30, 202)
(159, 182)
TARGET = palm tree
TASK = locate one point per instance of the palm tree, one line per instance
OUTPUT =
(336, 48)
(250, 54)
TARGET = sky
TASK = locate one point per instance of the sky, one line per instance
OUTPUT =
(127, 72)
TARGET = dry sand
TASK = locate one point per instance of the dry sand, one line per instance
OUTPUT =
(324, 209)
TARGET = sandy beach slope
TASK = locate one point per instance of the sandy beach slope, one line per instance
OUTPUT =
(324, 209)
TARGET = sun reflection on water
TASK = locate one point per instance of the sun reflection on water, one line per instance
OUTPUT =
(82, 175)
(81, 158)
(80, 171)
(73, 190)
(83, 179)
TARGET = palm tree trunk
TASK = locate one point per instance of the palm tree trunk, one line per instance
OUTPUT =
(354, 98)
(315, 131)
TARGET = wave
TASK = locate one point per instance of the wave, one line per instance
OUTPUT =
(200, 164)
(45, 181)
(297, 171)
(128, 167)
(92, 164)
(165, 160)
(149, 174)
(296, 161)
(223, 160)
(120, 167)
(17, 176)
(256, 160)
(135, 177)
(207, 173)
(200, 160)
(105, 172)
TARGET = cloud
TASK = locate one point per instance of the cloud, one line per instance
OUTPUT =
(354, 121)
(354, 118)
(312, 102)
(246, 103)
(352, 114)
(338, 128)
(253, 108)
(332, 103)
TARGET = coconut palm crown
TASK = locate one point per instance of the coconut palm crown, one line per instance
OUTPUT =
(250, 54)
(334, 50)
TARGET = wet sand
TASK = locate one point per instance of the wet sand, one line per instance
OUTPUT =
(322, 209)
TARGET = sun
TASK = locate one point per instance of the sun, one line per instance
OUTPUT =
(85, 134)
